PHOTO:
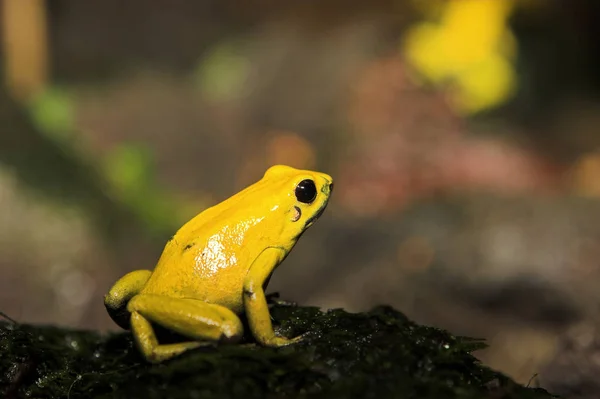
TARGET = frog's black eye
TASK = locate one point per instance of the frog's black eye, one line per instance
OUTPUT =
(306, 191)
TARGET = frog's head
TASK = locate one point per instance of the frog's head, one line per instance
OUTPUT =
(295, 199)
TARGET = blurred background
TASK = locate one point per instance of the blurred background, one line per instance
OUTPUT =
(463, 135)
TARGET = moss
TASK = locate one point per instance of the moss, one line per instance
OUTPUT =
(376, 354)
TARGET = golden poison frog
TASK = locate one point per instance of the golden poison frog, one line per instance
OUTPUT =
(217, 266)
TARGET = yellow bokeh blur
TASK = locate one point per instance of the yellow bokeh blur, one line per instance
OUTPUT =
(469, 47)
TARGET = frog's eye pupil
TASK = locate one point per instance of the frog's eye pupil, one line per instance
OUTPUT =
(306, 191)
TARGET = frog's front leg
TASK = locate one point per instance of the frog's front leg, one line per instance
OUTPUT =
(189, 317)
(255, 302)
(119, 295)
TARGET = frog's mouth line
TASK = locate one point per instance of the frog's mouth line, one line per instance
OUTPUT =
(314, 217)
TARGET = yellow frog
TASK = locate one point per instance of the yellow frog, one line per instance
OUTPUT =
(217, 266)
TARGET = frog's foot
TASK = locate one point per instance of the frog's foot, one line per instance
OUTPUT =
(119, 295)
(149, 346)
(278, 341)
(189, 317)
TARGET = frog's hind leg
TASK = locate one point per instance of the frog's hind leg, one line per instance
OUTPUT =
(189, 317)
(121, 293)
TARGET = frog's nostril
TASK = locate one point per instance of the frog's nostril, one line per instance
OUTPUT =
(330, 187)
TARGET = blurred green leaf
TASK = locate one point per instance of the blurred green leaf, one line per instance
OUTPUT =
(52, 113)
(222, 73)
(129, 168)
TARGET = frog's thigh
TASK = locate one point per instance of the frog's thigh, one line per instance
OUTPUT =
(119, 295)
(192, 318)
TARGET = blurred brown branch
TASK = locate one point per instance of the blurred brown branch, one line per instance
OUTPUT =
(25, 47)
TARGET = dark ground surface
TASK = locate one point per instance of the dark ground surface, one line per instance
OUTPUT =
(375, 354)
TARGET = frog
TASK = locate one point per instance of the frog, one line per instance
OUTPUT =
(215, 269)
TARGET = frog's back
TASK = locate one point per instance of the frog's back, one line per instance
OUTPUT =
(208, 258)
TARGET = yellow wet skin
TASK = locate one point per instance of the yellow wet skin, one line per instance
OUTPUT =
(217, 266)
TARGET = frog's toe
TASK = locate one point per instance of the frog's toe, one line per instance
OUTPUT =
(278, 341)
(299, 338)
(295, 340)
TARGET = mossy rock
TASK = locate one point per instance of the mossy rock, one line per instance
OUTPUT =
(379, 354)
